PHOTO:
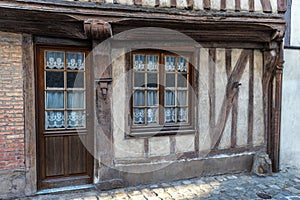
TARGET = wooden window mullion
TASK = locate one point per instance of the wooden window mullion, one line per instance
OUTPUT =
(161, 89)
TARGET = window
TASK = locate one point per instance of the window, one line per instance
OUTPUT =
(64, 90)
(161, 91)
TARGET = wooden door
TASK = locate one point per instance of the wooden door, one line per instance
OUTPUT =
(64, 117)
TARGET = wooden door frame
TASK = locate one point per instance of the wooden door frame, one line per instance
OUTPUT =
(30, 110)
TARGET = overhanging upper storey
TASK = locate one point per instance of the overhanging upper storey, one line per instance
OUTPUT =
(259, 21)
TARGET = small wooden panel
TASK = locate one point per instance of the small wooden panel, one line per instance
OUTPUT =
(206, 4)
(77, 155)
(266, 6)
(54, 154)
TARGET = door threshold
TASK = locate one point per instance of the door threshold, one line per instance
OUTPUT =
(64, 189)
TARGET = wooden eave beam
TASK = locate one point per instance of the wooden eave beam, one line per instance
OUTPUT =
(66, 19)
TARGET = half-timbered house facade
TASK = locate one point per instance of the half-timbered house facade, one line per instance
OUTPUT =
(127, 92)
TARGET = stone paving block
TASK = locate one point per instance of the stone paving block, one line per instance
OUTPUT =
(297, 180)
(137, 197)
(275, 187)
(165, 196)
(215, 184)
(149, 194)
(121, 196)
(158, 190)
(154, 186)
(90, 198)
(294, 198)
(166, 184)
(134, 192)
(187, 182)
(199, 181)
(176, 195)
(293, 190)
(231, 177)
(106, 198)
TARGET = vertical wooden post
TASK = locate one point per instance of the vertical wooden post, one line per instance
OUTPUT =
(29, 113)
(277, 110)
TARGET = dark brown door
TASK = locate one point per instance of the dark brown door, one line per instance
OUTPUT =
(64, 117)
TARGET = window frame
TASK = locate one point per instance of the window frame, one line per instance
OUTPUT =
(162, 128)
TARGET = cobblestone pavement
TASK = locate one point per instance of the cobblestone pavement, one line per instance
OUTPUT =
(284, 185)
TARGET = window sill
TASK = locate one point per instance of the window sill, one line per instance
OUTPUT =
(135, 134)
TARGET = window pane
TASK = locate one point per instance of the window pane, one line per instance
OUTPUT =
(138, 62)
(138, 116)
(152, 80)
(55, 119)
(169, 115)
(54, 80)
(182, 64)
(75, 61)
(152, 63)
(139, 98)
(182, 80)
(54, 100)
(152, 115)
(54, 60)
(182, 98)
(170, 63)
(139, 80)
(75, 100)
(169, 98)
(75, 79)
(152, 98)
(182, 114)
(76, 119)
(170, 80)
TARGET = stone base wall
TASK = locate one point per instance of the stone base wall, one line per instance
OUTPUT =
(12, 183)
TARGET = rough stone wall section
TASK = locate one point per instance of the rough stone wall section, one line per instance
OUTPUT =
(11, 102)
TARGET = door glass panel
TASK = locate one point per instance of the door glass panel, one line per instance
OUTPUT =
(54, 99)
(75, 100)
(75, 61)
(76, 119)
(64, 89)
(75, 79)
(54, 79)
(54, 60)
(55, 119)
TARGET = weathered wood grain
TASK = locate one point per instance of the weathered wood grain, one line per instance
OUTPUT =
(237, 5)
(206, 4)
(251, 5)
(266, 6)
(281, 6)
(223, 5)
(211, 90)
(30, 114)
(231, 89)
(250, 100)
